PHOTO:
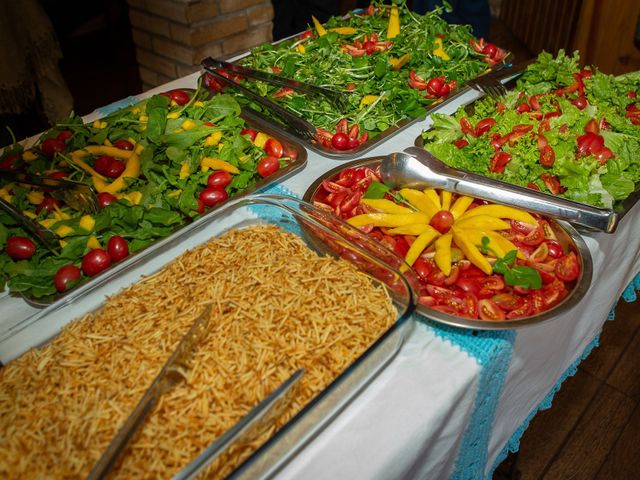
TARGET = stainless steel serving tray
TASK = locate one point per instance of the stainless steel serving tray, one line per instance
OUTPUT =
(567, 235)
(290, 214)
(372, 142)
(253, 121)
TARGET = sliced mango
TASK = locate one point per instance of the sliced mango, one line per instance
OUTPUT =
(420, 243)
(439, 50)
(443, 253)
(387, 219)
(502, 211)
(35, 197)
(213, 139)
(319, 28)
(445, 199)
(483, 222)
(398, 63)
(470, 251)
(385, 205)
(64, 230)
(184, 171)
(412, 229)
(93, 243)
(343, 30)
(217, 164)
(460, 206)
(434, 197)
(87, 222)
(419, 200)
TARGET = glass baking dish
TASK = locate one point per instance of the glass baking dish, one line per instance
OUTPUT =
(323, 233)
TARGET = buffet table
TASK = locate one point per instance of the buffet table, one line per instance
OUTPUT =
(453, 402)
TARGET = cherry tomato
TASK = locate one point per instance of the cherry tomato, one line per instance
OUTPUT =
(468, 285)
(179, 96)
(589, 142)
(58, 174)
(523, 108)
(401, 247)
(201, 207)
(108, 166)
(508, 301)
(20, 248)
(213, 196)
(603, 154)
(307, 34)
(466, 127)
(105, 199)
(540, 254)
(553, 294)
(489, 310)
(340, 141)
(523, 311)
(567, 268)
(422, 268)
(273, 148)
(554, 248)
(442, 221)
(268, 165)
(64, 135)
(249, 131)
(484, 125)
(592, 126)
(219, 179)
(95, 262)
(580, 102)
(461, 142)
(51, 146)
(290, 151)
(115, 168)
(434, 86)
(547, 156)
(369, 47)
(64, 275)
(117, 248)
(499, 161)
(353, 143)
(490, 50)
(8, 162)
(47, 204)
(123, 144)
(552, 183)
(534, 237)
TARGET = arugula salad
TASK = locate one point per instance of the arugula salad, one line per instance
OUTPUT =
(569, 131)
(155, 166)
(390, 63)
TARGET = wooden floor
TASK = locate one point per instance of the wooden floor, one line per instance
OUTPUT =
(592, 430)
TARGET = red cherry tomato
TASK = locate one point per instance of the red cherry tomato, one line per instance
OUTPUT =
(534, 237)
(499, 161)
(58, 174)
(524, 311)
(547, 156)
(461, 142)
(580, 102)
(108, 166)
(95, 262)
(592, 126)
(423, 268)
(201, 207)
(369, 47)
(273, 147)
(51, 146)
(484, 125)
(213, 196)
(105, 199)
(489, 310)
(442, 221)
(47, 204)
(466, 127)
(434, 86)
(118, 248)
(567, 268)
(179, 96)
(123, 144)
(554, 248)
(20, 248)
(64, 275)
(219, 179)
(268, 165)
(250, 132)
(490, 50)
(508, 301)
(8, 162)
(340, 141)
(115, 168)
(64, 135)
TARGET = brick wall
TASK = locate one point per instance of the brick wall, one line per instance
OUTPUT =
(173, 36)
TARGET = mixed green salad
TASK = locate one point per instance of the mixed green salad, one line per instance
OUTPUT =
(390, 63)
(563, 129)
(155, 166)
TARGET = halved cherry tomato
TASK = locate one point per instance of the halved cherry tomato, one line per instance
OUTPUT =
(483, 126)
(592, 126)
(20, 248)
(179, 96)
(468, 285)
(567, 267)
(423, 268)
(51, 146)
(553, 293)
(65, 275)
(524, 311)
(489, 310)
(508, 301)
(547, 156)
(9, 161)
(534, 237)
(268, 165)
(540, 254)
(554, 248)
(580, 102)
(461, 142)
(273, 148)
(466, 127)
(552, 183)
(105, 199)
(499, 161)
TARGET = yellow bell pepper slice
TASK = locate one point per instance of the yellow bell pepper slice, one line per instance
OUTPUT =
(412, 229)
(420, 201)
(343, 30)
(431, 194)
(216, 164)
(483, 222)
(460, 206)
(87, 222)
(393, 28)
(398, 63)
(319, 28)
(439, 50)
(387, 219)
(471, 251)
(502, 211)
(300, 48)
(420, 243)
(385, 205)
(445, 198)
(443, 253)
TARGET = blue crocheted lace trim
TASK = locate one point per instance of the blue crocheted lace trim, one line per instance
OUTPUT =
(513, 445)
(112, 107)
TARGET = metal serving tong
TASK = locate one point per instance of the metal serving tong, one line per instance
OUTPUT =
(46, 236)
(416, 167)
(300, 126)
(491, 83)
(76, 195)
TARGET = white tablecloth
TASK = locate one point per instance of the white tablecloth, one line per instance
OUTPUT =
(410, 421)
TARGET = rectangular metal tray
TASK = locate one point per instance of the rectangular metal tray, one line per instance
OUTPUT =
(292, 215)
(256, 122)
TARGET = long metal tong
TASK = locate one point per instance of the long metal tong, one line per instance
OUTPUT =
(299, 125)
